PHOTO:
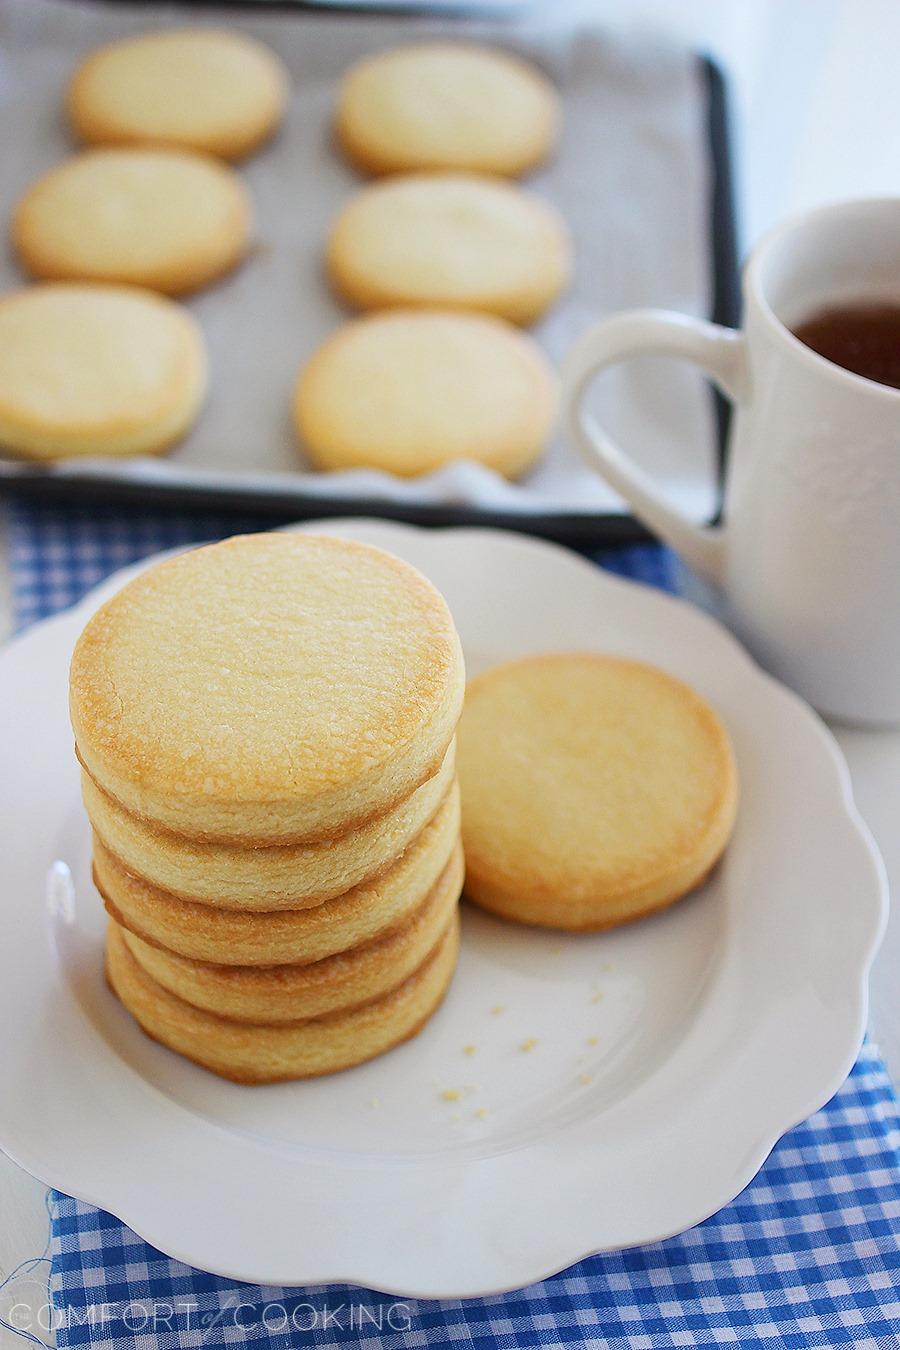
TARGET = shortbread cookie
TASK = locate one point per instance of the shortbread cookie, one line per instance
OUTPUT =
(200, 88)
(446, 105)
(250, 1053)
(226, 936)
(455, 241)
(594, 790)
(274, 994)
(411, 390)
(271, 689)
(171, 220)
(96, 370)
(265, 877)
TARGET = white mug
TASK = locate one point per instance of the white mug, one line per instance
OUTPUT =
(808, 556)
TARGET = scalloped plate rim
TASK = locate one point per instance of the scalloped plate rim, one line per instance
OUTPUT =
(385, 533)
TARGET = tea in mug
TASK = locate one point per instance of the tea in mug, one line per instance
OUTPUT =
(863, 338)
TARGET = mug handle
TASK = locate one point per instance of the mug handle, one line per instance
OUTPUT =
(718, 351)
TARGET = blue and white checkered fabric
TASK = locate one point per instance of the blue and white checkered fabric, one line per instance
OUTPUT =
(808, 1255)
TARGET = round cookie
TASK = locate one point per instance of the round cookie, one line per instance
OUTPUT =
(251, 1053)
(275, 994)
(594, 790)
(446, 105)
(241, 937)
(170, 220)
(455, 241)
(408, 391)
(200, 88)
(271, 689)
(96, 370)
(264, 877)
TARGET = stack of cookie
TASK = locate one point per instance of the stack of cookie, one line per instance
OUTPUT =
(460, 257)
(266, 730)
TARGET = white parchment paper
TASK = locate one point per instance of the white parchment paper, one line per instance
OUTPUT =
(630, 178)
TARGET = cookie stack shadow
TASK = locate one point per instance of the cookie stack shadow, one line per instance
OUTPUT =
(274, 804)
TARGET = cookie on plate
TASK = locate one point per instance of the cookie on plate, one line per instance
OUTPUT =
(271, 689)
(205, 89)
(257, 877)
(270, 1053)
(240, 937)
(291, 993)
(96, 370)
(446, 105)
(457, 241)
(408, 391)
(170, 220)
(594, 790)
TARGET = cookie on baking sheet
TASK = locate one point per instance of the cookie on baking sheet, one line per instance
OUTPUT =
(446, 105)
(268, 690)
(594, 790)
(268, 1053)
(457, 241)
(96, 370)
(170, 220)
(207, 89)
(408, 391)
(291, 993)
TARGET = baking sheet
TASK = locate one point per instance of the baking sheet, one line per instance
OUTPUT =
(632, 178)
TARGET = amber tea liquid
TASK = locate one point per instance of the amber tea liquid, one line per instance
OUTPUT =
(863, 338)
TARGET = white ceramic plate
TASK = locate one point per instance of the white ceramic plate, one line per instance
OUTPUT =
(669, 1055)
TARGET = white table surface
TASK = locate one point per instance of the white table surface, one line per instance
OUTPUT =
(816, 105)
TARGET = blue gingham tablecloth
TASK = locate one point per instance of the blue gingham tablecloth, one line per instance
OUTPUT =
(808, 1255)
